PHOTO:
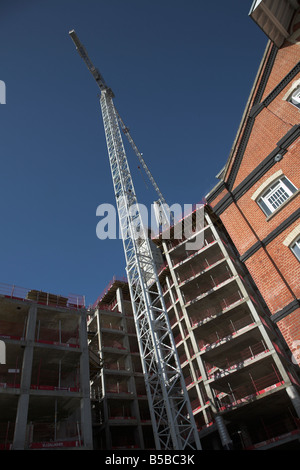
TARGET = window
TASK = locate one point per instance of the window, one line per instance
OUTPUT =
(295, 98)
(295, 247)
(281, 190)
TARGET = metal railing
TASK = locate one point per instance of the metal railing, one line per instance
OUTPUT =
(248, 390)
(72, 301)
(107, 288)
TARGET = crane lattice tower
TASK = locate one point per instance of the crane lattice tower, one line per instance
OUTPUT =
(171, 414)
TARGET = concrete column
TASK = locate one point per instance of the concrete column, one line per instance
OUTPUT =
(136, 412)
(252, 308)
(107, 433)
(295, 398)
(119, 296)
(186, 349)
(85, 408)
(135, 407)
(23, 403)
(199, 361)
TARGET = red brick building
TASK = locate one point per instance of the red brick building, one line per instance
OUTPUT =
(257, 197)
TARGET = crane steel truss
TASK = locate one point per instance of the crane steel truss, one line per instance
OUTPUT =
(167, 215)
(171, 413)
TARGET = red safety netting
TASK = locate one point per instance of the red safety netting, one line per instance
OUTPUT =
(57, 336)
(241, 394)
(209, 240)
(54, 435)
(6, 434)
(207, 285)
(226, 302)
(55, 376)
(201, 267)
(225, 331)
(272, 433)
(236, 360)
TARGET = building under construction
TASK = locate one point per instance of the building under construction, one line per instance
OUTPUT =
(240, 375)
(242, 384)
(243, 387)
(76, 377)
(121, 418)
(44, 382)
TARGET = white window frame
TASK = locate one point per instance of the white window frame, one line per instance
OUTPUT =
(292, 95)
(295, 247)
(277, 193)
(295, 98)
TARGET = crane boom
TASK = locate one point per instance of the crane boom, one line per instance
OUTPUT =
(84, 55)
(171, 413)
(126, 131)
(168, 217)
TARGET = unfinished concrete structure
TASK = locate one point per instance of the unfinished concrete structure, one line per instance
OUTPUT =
(243, 387)
(44, 384)
(121, 417)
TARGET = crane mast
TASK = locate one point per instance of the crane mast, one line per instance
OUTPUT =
(172, 419)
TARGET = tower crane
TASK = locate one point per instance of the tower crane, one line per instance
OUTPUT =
(172, 418)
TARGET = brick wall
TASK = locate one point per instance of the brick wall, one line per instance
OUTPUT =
(261, 224)
(238, 228)
(273, 266)
(290, 329)
(268, 129)
(269, 281)
(286, 58)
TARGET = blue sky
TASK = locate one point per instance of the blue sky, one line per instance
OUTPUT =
(181, 71)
